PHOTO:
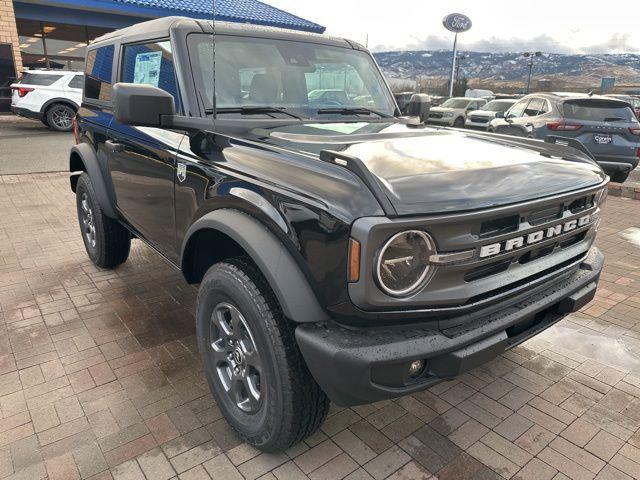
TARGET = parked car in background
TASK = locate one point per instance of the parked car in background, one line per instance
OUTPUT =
(481, 118)
(488, 95)
(633, 101)
(402, 99)
(454, 111)
(328, 97)
(437, 100)
(605, 126)
(51, 96)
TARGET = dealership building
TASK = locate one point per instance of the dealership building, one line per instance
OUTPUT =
(54, 33)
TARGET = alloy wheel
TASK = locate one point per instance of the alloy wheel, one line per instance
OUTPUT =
(61, 117)
(86, 217)
(236, 358)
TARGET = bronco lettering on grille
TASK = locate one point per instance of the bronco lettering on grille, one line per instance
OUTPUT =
(535, 237)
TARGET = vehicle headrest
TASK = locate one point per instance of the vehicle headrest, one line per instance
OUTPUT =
(264, 89)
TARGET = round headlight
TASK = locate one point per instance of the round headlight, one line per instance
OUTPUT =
(403, 262)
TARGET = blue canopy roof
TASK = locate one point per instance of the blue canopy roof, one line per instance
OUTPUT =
(249, 11)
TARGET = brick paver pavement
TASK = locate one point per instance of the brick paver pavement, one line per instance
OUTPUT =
(100, 378)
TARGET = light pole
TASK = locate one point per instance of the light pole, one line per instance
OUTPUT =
(456, 23)
(460, 58)
(529, 56)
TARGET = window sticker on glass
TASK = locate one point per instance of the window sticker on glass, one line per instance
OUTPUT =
(147, 68)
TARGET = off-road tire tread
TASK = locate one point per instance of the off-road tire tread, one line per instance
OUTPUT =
(112, 239)
(306, 405)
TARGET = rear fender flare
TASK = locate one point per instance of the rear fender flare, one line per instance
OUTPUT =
(288, 282)
(85, 153)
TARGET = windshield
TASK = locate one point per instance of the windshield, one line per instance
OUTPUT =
(297, 77)
(497, 106)
(456, 103)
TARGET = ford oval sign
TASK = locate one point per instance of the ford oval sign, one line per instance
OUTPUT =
(456, 22)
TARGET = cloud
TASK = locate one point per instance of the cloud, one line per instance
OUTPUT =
(617, 43)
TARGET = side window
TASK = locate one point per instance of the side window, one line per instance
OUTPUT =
(534, 107)
(518, 109)
(99, 66)
(544, 108)
(473, 106)
(77, 81)
(150, 64)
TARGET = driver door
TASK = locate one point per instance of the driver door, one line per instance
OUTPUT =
(142, 160)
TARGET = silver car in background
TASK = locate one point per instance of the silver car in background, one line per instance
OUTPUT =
(605, 127)
(481, 118)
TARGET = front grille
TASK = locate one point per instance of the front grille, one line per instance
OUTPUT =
(542, 235)
(499, 226)
(507, 288)
(435, 115)
(479, 119)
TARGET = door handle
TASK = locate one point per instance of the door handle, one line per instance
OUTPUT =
(114, 147)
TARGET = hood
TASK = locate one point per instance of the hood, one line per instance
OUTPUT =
(430, 170)
(444, 109)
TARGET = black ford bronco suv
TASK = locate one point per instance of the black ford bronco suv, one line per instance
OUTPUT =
(342, 253)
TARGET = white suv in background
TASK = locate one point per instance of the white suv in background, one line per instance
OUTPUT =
(454, 111)
(51, 96)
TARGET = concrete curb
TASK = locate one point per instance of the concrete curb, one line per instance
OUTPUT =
(631, 190)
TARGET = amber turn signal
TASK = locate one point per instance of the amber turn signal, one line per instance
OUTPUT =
(354, 260)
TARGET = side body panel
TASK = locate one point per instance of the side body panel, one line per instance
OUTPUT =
(286, 192)
(142, 169)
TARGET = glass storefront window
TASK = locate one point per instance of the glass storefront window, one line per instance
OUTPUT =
(57, 46)
(31, 45)
(66, 45)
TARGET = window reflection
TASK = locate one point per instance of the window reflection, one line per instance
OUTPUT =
(55, 45)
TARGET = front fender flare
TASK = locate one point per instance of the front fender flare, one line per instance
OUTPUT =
(285, 277)
(89, 160)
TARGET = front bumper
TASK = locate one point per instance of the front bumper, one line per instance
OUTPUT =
(444, 122)
(471, 124)
(362, 365)
(617, 163)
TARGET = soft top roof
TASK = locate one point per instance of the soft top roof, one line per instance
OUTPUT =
(161, 27)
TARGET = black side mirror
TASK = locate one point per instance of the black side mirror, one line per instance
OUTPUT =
(141, 105)
(419, 106)
(499, 114)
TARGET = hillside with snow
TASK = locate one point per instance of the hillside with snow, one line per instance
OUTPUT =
(510, 67)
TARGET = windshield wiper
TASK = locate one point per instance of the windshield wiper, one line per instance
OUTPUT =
(353, 111)
(249, 110)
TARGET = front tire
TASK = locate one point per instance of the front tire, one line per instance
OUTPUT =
(106, 241)
(458, 123)
(251, 360)
(60, 117)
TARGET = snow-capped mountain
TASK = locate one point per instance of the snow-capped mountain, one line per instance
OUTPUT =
(510, 66)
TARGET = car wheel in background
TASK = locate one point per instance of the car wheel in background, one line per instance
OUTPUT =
(251, 360)
(458, 123)
(59, 117)
(107, 242)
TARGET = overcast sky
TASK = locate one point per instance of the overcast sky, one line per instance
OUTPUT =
(568, 26)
